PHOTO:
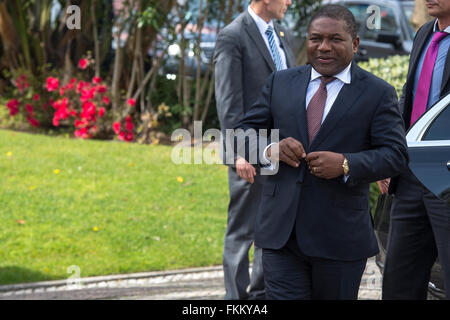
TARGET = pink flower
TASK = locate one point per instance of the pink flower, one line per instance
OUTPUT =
(131, 102)
(29, 108)
(129, 137)
(121, 136)
(81, 85)
(106, 100)
(83, 63)
(82, 133)
(101, 89)
(101, 112)
(52, 84)
(116, 127)
(13, 106)
(36, 97)
(33, 122)
(97, 80)
(129, 124)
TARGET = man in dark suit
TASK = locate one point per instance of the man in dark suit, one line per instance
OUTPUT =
(340, 129)
(420, 222)
(247, 51)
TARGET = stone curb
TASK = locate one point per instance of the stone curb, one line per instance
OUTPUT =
(90, 280)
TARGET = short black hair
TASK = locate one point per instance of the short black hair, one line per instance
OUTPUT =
(337, 12)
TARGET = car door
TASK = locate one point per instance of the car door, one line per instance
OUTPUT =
(429, 149)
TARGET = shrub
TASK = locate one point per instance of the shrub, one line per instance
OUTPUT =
(77, 104)
(393, 69)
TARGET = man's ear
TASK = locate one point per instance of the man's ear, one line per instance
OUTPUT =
(355, 44)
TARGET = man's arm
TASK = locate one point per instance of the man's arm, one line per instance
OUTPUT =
(228, 80)
(388, 155)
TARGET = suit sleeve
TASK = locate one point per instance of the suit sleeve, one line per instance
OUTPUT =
(387, 156)
(228, 80)
(257, 118)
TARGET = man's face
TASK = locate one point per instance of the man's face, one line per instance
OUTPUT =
(277, 8)
(438, 8)
(330, 47)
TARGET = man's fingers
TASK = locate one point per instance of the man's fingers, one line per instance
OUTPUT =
(297, 148)
(289, 159)
(312, 156)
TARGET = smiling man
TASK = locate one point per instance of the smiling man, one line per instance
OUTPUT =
(340, 129)
(247, 51)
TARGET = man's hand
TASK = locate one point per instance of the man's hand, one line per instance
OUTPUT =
(325, 164)
(384, 185)
(245, 170)
(290, 151)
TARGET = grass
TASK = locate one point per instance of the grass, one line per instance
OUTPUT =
(106, 207)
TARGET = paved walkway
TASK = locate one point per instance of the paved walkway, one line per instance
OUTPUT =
(188, 284)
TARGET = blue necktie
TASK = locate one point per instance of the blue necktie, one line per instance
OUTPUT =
(273, 47)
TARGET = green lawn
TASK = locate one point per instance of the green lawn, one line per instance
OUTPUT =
(107, 207)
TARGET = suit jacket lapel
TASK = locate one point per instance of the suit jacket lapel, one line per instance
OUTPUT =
(299, 88)
(446, 75)
(344, 101)
(254, 33)
(290, 60)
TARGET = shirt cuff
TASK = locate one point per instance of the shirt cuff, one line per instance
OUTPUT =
(265, 162)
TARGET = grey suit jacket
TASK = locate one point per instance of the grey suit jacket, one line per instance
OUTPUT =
(242, 65)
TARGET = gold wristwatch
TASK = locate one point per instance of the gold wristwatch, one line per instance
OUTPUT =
(345, 167)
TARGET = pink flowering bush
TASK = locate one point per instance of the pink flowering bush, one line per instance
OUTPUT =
(77, 104)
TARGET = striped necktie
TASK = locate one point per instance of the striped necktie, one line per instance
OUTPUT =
(274, 48)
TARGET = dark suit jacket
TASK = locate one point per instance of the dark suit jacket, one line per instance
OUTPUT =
(332, 218)
(242, 65)
(406, 100)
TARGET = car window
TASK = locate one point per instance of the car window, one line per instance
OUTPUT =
(440, 128)
(388, 20)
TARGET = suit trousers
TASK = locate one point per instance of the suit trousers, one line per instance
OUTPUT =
(243, 207)
(291, 275)
(419, 232)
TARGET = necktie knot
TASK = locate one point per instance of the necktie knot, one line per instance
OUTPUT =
(438, 36)
(269, 30)
(326, 80)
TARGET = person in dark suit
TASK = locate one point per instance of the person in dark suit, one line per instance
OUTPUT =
(340, 129)
(420, 222)
(247, 51)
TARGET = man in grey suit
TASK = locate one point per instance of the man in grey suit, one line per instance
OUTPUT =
(247, 51)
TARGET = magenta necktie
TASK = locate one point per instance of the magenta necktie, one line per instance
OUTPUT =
(316, 106)
(423, 87)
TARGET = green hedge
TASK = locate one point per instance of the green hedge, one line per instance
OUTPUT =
(393, 70)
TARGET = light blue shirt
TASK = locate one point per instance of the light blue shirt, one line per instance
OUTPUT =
(438, 71)
(262, 27)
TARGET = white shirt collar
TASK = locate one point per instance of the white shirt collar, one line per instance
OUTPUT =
(437, 29)
(260, 23)
(345, 76)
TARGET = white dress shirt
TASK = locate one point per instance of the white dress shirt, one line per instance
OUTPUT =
(262, 27)
(333, 89)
